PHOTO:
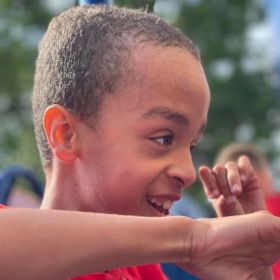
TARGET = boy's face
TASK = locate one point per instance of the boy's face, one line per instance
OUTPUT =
(139, 159)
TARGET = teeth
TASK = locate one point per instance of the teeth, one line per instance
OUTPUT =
(165, 205)
(158, 203)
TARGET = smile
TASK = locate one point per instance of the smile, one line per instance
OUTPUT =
(161, 206)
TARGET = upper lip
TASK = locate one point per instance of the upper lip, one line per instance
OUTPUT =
(163, 197)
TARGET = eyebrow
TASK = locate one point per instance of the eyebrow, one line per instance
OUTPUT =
(166, 113)
(170, 114)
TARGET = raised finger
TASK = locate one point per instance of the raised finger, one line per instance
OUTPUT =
(209, 182)
(247, 174)
(220, 174)
(233, 177)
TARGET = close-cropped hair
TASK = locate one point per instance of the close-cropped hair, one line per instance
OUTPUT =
(85, 54)
(233, 151)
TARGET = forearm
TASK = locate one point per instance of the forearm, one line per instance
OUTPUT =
(42, 244)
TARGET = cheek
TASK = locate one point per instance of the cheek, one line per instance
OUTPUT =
(118, 181)
(127, 183)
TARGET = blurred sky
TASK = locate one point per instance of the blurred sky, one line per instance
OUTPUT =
(273, 16)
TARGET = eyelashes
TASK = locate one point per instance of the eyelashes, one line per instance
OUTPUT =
(166, 140)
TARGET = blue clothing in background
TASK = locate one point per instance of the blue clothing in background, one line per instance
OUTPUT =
(174, 272)
(188, 206)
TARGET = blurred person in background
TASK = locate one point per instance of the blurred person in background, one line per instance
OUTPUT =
(234, 151)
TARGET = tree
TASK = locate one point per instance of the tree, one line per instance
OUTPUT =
(22, 24)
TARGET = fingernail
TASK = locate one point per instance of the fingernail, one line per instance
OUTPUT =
(235, 188)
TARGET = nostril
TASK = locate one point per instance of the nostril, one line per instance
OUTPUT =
(180, 180)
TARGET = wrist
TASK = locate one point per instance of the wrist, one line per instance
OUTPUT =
(159, 240)
(180, 235)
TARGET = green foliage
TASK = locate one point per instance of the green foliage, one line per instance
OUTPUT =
(21, 25)
(240, 94)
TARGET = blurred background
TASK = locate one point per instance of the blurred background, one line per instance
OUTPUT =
(240, 48)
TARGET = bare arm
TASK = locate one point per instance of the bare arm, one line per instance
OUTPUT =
(50, 244)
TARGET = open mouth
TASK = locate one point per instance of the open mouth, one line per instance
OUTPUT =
(162, 207)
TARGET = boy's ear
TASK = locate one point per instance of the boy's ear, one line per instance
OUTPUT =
(60, 129)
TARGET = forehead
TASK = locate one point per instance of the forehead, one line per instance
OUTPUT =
(166, 82)
(168, 73)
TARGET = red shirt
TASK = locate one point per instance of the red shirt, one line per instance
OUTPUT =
(273, 206)
(145, 272)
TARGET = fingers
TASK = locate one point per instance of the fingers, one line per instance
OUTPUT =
(232, 189)
(223, 185)
(209, 183)
(222, 180)
(228, 180)
(233, 177)
(248, 176)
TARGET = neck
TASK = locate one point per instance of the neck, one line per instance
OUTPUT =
(60, 190)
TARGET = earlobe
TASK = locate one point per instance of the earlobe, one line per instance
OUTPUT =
(60, 129)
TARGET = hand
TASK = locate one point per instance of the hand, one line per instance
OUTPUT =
(233, 247)
(232, 189)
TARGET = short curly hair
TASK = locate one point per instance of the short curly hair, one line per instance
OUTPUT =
(85, 54)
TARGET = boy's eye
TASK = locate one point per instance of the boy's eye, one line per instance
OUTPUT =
(164, 140)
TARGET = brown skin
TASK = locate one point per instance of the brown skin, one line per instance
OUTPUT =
(235, 261)
(234, 189)
(141, 149)
(72, 243)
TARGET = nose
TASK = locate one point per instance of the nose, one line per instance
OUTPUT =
(182, 171)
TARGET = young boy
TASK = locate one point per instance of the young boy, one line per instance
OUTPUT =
(120, 100)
